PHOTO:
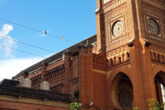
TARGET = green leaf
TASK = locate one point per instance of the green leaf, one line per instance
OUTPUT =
(74, 106)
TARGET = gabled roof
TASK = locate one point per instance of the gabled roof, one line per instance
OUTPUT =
(57, 56)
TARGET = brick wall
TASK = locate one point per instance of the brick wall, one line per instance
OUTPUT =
(13, 103)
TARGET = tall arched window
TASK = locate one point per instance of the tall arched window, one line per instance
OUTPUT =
(122, 92)
(159, 86)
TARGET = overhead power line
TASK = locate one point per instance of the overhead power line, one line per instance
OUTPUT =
(36, 30)
(22, 51)
(27, 44)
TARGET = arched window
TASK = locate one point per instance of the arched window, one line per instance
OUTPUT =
(159, 86)
(122, 92)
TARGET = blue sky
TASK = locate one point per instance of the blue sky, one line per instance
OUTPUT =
(75, 20)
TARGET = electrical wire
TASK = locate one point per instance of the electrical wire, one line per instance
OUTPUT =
(36, 30)
(22, 51)
(27, 44)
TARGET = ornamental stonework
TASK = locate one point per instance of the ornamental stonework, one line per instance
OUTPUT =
(117, 51)
(157, 21)
(116, 11)
(110, 18)
(157, 14)
(156, 3)
(113, 5)
(157, 49)
(157, 54)
(118, 56)
(156, 42)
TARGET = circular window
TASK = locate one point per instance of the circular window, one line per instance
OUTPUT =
(122, 92)
(153, 26)
(125, 99)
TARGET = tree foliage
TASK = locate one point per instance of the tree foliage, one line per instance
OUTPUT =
(74, 106)
(155, 105)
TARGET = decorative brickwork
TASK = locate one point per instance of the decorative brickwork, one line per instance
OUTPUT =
(158, 54)
(128, 57)
(99, 61)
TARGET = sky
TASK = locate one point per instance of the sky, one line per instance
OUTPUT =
(32, 30)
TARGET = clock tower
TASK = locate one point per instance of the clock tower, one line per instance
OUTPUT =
(131, 33)
(119, 21)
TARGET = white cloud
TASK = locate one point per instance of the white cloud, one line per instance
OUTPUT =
(10, 67)
(6, 29)
(7, 40)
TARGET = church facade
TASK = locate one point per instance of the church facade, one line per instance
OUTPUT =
(119, 68)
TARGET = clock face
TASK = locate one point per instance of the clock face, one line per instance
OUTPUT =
(117, 28)
(153, 26)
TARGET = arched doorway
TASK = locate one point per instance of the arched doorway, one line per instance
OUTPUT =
(159, 86)
(122, 92)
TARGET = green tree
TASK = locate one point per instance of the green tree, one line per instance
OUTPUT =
(155, 105)
(74, 106)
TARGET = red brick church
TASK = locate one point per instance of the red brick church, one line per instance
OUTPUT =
(121, 67)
